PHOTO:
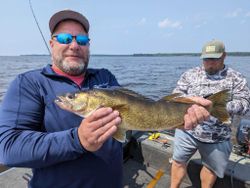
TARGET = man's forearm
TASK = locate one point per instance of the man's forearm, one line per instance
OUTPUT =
(38, 149)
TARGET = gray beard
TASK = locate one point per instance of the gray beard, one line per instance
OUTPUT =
(72, 70)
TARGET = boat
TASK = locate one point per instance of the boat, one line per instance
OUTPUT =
(147, 163)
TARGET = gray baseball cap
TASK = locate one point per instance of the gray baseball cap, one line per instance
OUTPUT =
(213, 49)
(68, 15)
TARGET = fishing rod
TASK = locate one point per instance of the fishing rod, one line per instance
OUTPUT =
(34, 16)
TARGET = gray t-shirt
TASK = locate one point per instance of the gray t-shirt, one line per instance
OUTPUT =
(196, 82)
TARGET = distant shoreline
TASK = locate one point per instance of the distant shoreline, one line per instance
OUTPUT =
(154, 54)
(192, 54)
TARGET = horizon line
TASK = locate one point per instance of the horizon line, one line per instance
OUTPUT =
(144, 54)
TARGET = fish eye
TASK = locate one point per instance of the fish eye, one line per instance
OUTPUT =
(70, 96)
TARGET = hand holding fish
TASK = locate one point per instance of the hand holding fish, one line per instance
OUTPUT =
(98, 127)
(196, 114)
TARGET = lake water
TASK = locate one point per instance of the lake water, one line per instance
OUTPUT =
(153, 77)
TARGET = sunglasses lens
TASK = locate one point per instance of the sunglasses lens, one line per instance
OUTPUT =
(211, 59)
(64, 38)
(82, 40)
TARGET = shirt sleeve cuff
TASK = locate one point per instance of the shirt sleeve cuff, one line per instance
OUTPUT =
(77, 141)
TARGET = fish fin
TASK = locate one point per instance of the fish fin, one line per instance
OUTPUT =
(132, 93)
(120, 107)
(88, 114)
(120, 135)
(81, 115)
(219, 109)
(129, 92)
(183, 100)
(170, 97)
(179, 126)
(176, 126)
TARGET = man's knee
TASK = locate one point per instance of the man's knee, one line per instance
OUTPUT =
(179, 164)
(208, 177)
(205, 172)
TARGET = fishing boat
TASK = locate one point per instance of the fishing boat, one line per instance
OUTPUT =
(147, 163)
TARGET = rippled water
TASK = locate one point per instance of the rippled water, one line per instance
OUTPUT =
(151, 76)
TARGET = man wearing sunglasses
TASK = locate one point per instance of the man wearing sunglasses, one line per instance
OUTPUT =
(211, 138)
(63, 149)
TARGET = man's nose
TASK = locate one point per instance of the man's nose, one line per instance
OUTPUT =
(74, 44)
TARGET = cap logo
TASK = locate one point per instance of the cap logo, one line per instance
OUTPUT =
(210, 49)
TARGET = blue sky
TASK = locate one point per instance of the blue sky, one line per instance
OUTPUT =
(131, 26)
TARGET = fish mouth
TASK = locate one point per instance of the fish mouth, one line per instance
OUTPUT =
(63, 103)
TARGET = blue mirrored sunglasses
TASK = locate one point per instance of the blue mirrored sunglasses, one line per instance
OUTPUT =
(211, 59)
(66, 38)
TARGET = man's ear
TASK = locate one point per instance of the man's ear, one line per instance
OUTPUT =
(51, 43)
(224, 55)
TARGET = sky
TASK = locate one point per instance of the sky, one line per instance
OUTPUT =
(132, 26)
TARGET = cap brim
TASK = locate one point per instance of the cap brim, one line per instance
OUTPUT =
(218, 55)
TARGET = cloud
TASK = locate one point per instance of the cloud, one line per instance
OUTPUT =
(167, 23)
(142, 21)
(248, 14)
(234, 13)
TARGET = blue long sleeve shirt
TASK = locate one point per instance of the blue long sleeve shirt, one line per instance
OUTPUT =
(36, 133)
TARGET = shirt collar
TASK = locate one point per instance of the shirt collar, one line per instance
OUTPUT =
(217, 76)
(49, 71)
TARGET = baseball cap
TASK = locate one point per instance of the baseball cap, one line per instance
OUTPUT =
(66, 15)
(213, 49)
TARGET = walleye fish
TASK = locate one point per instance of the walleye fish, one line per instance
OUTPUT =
(138, 112)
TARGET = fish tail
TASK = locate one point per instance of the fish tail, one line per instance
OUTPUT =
(218, 108)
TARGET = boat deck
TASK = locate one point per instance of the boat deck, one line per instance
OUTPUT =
(143, 158)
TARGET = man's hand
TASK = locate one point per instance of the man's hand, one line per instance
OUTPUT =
(98, 127)
(196, 114)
